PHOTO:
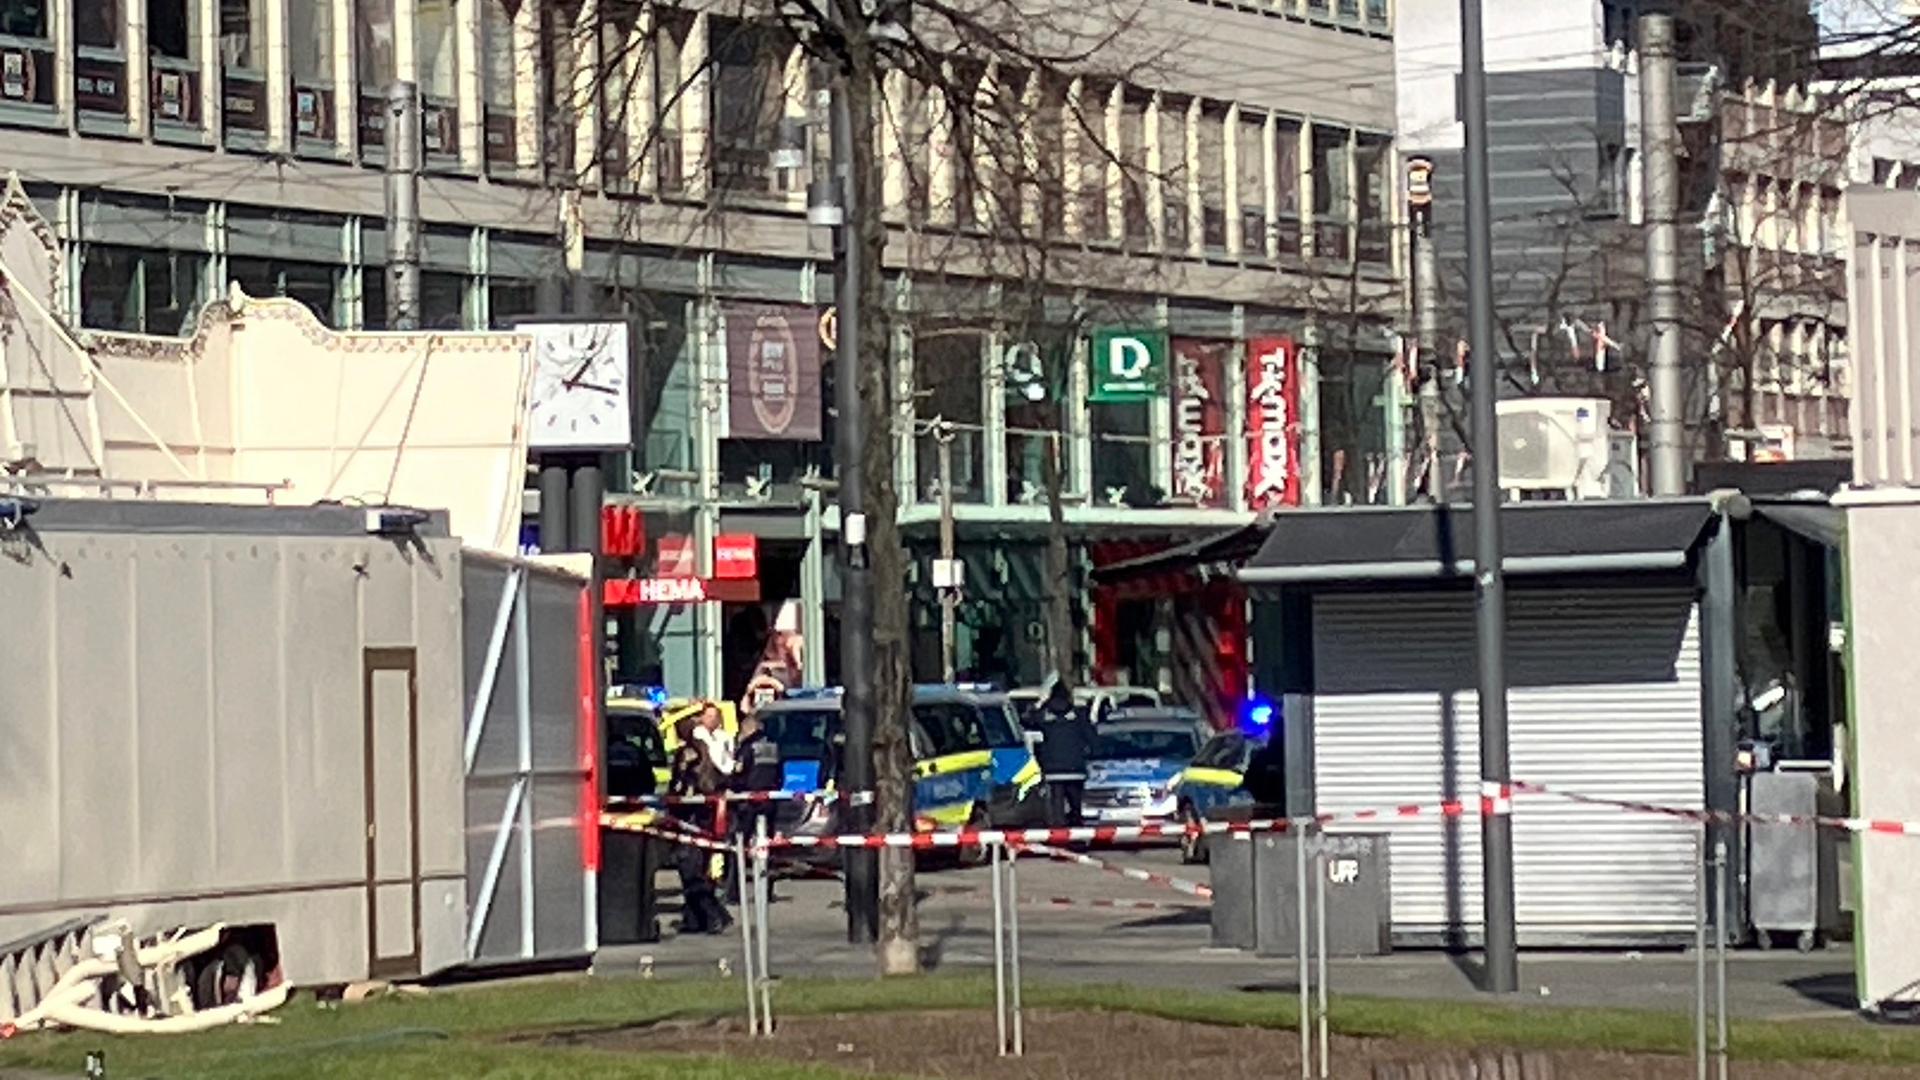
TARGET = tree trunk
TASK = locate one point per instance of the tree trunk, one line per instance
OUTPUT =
(899, 942)
(1059, 573)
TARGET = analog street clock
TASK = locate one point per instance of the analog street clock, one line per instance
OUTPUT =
(579, 399)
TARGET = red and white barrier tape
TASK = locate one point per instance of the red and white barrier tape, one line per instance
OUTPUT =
(850, 798)
(1131, 873)
(1881, 826)
(665, 828)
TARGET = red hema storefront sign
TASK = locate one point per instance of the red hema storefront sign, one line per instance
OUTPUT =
(1273, 423)
(736, 556)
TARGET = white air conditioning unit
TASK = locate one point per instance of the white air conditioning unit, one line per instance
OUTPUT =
(1556, 445)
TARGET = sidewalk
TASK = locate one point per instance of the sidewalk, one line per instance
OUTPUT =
(1170, 948)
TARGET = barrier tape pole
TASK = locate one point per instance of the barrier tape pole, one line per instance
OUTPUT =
(1013, 955)
(1300, 952)
(1700, 952)
(1720, 958)
(999, 952)
(1320, 951)
(763, 901)
(746, 942)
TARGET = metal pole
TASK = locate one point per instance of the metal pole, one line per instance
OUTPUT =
(999, 950)
(1013, 953)
(589, 497)
(856, 604)
(1720, 958)
(763, 899)
(1666, 454)
(1297, 832)
(746, 938)
(1426, 282)
(1700, 953)
(1320, 947)
(949, 596)
(403, 206)
(1490, 608)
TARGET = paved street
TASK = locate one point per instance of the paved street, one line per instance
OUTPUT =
(1170, 948)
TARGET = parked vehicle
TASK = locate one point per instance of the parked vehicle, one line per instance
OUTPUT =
(1215, 778)
(1099, 702)
(971, 764)
(1136, 756)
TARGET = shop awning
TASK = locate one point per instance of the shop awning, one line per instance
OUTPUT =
(1222, 552)
(1434, 542)
(1815, 520)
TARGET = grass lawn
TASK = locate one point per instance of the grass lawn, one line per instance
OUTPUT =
(465, 1032)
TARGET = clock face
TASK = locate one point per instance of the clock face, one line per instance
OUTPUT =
(579, 398)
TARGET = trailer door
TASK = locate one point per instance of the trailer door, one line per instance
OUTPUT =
(393, 812)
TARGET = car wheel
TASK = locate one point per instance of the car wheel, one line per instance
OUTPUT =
(1193, 843)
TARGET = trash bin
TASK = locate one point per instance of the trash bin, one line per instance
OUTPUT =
(1254, 895)
(629, 862)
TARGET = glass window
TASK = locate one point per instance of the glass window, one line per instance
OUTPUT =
(497, 54)
(1376, 201)
(1120, 743)
(1250, 156)
(140, 291)
(373, 41)
(1049, 162)
(1174, 169)
(748, 80)
(669, 43)
(509, 299)
(1213, 180)
(1122, 454)
(243, 34)
(173, 28)
(948, 377)
(1036, 409)
(617, 25)
(24, 18)
(310, 39)
(316, 285)
(97, 23)
(949, 728)
(1090, 128)
(802, 734)
(1136, 226)
(911, 118)
(434, 32)
(1353, 433)
(1223, 751)
(1286, 182)
(1332, 192)
(669, 396)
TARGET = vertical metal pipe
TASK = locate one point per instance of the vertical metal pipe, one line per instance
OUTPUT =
(1700, 953)
(403, 206)
(1320, 948)
(999, 950)
(554, 507)
(949, 596)
(746, 938)
(523, 766)
(856, 604)
(1013, 953)
(763, 899)
(1666, 450)
(1720, 959)
(1297, 833)
(1426, 281)
(1490, 608)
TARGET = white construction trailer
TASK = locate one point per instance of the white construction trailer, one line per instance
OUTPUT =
(364, 750)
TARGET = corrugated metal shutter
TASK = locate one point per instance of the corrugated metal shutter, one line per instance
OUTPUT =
(1605, 700)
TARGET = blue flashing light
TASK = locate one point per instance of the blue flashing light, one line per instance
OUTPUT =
(810, 693)
(1260, 715)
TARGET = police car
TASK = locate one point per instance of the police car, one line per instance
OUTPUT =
(1135, 758)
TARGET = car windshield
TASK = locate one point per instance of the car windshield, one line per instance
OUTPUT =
(1144, 742)
(1226, 751)
(951, 728)
(1003, 731)
(803, 734)
(638, 734)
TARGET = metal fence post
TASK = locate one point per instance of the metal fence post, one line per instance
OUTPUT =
(1296, 828)
(1320, 944)
(746, 936)
(1700, 953)
(1720, 957)
(999, 949)
(763, 899)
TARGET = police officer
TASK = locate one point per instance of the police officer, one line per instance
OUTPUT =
(1066, 740)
